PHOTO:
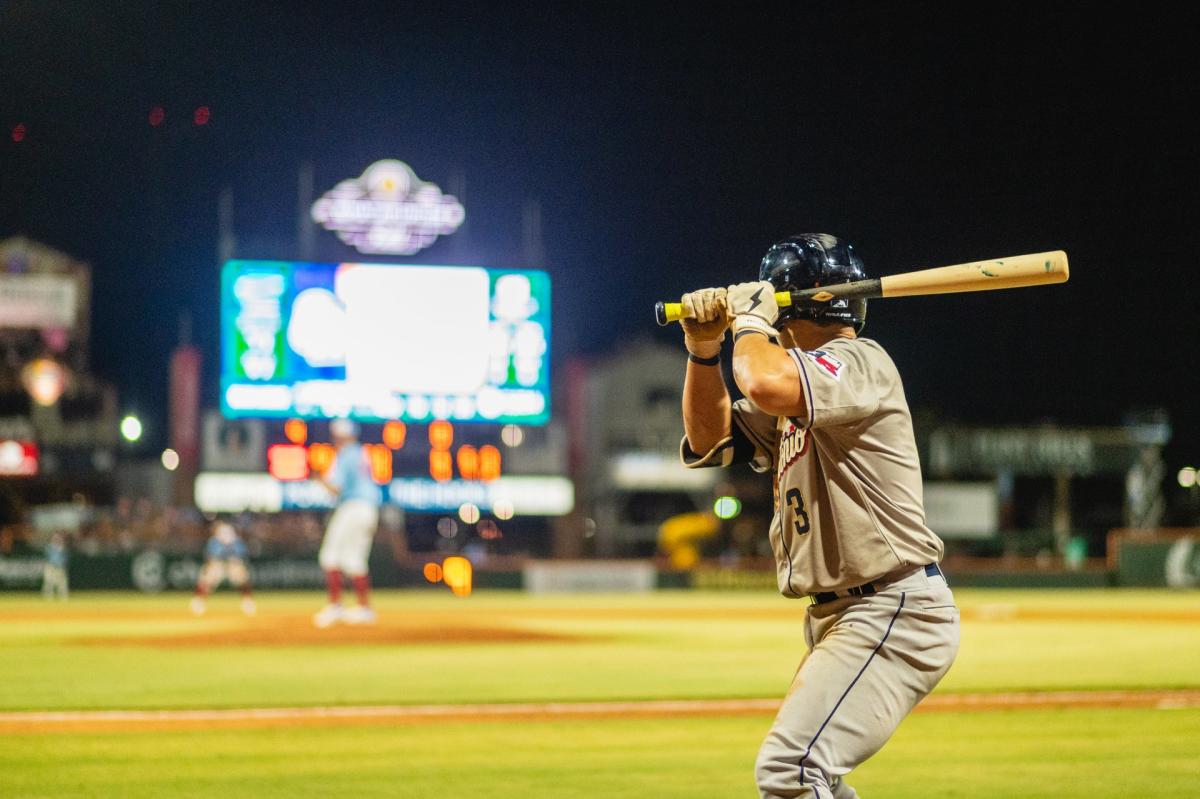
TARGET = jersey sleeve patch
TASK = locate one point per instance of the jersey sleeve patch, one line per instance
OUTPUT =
(826, 362)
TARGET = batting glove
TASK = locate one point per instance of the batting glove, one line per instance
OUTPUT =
(753, 307)
(704, 321)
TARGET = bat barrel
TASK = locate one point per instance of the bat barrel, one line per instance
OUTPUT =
(1017, 271)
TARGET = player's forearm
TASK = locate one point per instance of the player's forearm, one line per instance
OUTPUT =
(764, 372)
(706, 407)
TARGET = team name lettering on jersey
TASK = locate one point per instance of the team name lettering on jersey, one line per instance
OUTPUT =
(793, 442)
(831, 365)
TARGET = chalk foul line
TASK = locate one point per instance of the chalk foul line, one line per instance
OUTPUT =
(269, 716)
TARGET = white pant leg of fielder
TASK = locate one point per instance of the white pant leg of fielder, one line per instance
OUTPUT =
(54, 582)
(348, 537)
(211, 574)
(871, 660)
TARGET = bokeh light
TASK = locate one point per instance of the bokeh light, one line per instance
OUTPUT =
(321, 457)
(457, 573)
(156, 116)
(433, 572)
(295, 431)
(202, 115)
(503, 509)
(469, 512)
(727, 507)
(441, 465)
(468, 462)
(447, 527)
(380, 459)
(512, 435)
(394, 434)
(170, 459)
(1187, 477)
(441, 435)
(45, 380)
(18, 133)
(131, 428)
(489, 463)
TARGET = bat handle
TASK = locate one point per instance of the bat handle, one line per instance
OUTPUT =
(667, 312)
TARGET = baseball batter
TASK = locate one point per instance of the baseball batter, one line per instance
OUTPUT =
(824, 414)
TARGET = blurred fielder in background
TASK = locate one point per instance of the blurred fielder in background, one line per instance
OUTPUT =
(351, 527)
(54, 573)
(224, 556)
(825, 414)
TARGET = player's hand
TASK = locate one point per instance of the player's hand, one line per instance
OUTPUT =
(704, 322)
(753, 307)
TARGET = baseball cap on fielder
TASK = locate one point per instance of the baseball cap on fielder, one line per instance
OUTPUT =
(343, 428)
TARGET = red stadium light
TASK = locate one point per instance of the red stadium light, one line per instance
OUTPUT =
(202, 115)
(287, 462)
(156, 116)
(18, 132)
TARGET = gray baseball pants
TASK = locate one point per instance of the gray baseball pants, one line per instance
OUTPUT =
(871, 659)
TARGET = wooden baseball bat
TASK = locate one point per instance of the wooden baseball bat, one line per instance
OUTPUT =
(1018, 271)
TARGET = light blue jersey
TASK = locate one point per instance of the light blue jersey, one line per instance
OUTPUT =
(56, 555)
(351, 475)
(216, 549)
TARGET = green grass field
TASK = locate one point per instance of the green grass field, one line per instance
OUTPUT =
(107, 651)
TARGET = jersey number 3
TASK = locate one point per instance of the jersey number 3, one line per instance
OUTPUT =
(799, 515)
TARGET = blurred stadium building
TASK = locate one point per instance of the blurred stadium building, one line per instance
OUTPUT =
(563, 479)
(58, 421)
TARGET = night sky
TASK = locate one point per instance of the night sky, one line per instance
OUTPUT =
(667, 148)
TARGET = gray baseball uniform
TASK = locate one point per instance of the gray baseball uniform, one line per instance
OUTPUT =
(849, 531)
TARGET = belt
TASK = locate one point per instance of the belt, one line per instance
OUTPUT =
(867, 589)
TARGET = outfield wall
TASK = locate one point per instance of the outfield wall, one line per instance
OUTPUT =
(1145, 563)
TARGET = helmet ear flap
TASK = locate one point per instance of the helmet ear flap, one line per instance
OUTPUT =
(859, 309)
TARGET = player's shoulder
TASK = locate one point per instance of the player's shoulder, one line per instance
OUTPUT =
(864, 356)
(858, 348)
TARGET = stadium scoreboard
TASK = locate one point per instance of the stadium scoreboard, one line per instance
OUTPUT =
(378, 342)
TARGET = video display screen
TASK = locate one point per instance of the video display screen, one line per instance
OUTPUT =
(380, 341)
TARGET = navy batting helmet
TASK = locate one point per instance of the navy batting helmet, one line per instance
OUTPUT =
(810, 260)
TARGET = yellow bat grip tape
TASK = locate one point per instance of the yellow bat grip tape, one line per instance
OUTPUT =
(673, 311)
